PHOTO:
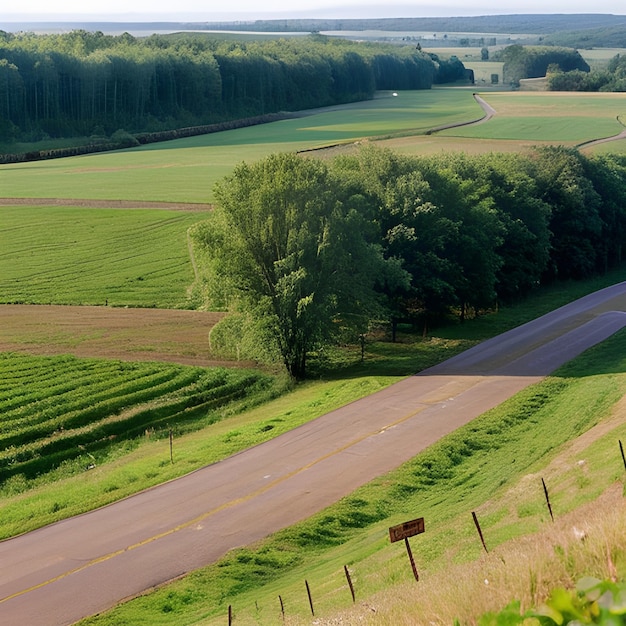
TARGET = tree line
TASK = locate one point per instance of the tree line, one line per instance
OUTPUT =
(613, 78)
(534, 61)
(84, 83)
(305, 252)
(565, 68)
(540, 23)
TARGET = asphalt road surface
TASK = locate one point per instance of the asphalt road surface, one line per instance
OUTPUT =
(84, 565)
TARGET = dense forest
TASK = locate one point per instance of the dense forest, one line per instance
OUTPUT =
(86, 83)
(534, 61)
(611, 79)
(540, 24)
(310, 251)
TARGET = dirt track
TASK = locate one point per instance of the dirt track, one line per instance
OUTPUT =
(83, 565)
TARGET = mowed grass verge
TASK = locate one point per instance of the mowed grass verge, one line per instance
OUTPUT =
(493, 466)
(78, 255)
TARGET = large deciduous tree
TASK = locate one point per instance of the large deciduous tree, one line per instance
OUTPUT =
(290, 247)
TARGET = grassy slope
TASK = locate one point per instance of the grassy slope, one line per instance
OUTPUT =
(492, 466)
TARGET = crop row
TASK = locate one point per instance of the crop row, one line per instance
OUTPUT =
(40, 434)
(43, 393)
(67, 255)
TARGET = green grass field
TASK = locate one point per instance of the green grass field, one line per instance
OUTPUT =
(185, 170)
(568, 118)
(77, 255)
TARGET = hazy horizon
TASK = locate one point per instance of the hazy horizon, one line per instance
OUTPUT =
(246, 10)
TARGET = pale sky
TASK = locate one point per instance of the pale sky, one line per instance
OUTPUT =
(185, 10)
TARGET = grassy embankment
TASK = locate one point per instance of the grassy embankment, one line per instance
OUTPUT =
(565, 430)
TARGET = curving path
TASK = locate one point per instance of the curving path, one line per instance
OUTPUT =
(84, 565)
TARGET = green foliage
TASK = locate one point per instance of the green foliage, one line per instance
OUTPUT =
(534, 61)
(242, 336)
(611, 79)
(475, 230)
(63, 85)
(297, 253)
(594, 601)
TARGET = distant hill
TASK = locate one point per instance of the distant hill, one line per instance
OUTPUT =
(539, 24)
(610, 37)
(584, 30)
(515, 24)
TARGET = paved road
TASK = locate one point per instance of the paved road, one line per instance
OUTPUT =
(81, 566)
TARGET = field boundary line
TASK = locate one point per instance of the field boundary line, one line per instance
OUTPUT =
(107, 204)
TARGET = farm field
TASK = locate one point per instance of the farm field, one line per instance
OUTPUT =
(185, 170)
(129, 334)
(97, 255)
(558, 117)
(598, 58)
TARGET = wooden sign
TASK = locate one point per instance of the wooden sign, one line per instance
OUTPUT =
(408, 529)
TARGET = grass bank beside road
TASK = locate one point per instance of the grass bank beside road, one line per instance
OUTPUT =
(564, 429)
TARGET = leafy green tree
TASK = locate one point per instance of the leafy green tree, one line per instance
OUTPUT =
(414, 232)
(576, 223)
(290, 248)
(533, 61)
(502, 179)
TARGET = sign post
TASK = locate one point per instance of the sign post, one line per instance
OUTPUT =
(404, 531)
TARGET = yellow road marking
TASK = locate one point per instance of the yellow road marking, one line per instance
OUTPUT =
(203, 516)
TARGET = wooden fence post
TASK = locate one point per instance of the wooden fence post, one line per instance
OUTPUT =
(545, 491)
(480, 532)
(347, 572)
(308, 591)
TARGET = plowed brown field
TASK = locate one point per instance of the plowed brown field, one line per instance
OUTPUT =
(113, 333)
